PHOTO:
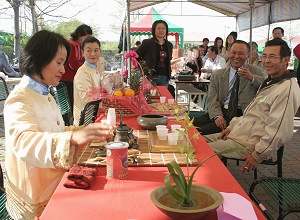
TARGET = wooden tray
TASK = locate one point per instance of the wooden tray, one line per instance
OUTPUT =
(168, 108)
(151, 152)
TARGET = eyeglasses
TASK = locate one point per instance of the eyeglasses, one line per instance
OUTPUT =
(271, 57)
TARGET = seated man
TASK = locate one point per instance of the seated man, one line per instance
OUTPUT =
(5, 66)
(231, 89)
(213, 62)
(267, 122)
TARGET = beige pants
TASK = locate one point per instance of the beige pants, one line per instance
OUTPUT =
(227, 148)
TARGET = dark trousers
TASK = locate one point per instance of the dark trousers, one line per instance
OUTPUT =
(208, 126)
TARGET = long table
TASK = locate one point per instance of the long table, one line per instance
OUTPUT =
(130, 198)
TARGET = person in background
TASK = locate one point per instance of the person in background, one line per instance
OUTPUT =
(230, 39)
(157, 53)
(231, 89)
(202, 53)
(88, 76)
(268, 121)
(213, 62)
(254, 57)
(39, 149)
(205, 43)
(137, 45)
(75, 59)
(194, 61)
(278, 32)
(6, 68)
(219, 44)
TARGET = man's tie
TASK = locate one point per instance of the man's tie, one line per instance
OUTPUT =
(234, 98)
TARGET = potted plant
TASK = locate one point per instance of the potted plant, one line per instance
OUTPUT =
(180, 198)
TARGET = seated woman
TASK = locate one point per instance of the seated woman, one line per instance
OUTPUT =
(194, 61)
(39, 149)
(88, 76)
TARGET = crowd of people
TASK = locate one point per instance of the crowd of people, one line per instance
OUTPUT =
(251, 104)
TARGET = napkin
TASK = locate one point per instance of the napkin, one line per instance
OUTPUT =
(80, 177)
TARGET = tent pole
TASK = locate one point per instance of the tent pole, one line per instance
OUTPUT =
(251, 4)
(269, 20)
(128, 40)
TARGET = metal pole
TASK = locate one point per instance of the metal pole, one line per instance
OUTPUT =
(269, 19)
(128, 40)
(251, 4)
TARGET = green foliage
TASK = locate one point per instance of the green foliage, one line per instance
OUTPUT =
(135, 80)
(66, 28)
(7, 43)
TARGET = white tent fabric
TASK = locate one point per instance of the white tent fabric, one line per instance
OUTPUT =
(265, 11)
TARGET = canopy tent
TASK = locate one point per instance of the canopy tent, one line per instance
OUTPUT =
(264, 11)
(143, 27)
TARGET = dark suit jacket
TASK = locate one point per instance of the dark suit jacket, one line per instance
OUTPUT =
(147, 52)
(218, 89)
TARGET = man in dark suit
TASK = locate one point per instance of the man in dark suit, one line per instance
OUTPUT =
(231, 89)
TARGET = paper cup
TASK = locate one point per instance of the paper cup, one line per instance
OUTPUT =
(172, 138)
(162, 133)
(116, 160)
(180, 133)
(171, 101)
(162, 99)
(174, 127)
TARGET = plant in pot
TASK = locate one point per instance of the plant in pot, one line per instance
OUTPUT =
(180, 198)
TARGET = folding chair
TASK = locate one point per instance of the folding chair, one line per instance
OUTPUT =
(89, 113)
(274, 193)
(278, 162)
(62, 99)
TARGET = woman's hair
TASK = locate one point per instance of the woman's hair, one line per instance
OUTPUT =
(155, 23)
(81, 30)
(234, 37)
(216, 42)
(90, 39)
(40, 50)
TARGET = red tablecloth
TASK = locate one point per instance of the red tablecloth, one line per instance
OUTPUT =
(130, 198)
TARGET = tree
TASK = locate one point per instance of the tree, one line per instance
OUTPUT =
(15, 4)
(66, 28)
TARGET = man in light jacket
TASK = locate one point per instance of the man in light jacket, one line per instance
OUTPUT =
(267, 122)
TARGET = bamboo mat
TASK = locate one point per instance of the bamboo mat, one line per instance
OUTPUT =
(151, 152)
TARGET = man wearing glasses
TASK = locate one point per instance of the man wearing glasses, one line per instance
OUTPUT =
(267, 122)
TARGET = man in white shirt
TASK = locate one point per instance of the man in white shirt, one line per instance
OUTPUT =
(213, 62)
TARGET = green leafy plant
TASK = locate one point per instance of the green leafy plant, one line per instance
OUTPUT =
(177, 184)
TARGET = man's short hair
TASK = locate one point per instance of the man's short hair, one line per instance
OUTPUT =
(90, 39)
(205, 39)
(213, 49)
(241, 42)
(285, 51)
(279, 28)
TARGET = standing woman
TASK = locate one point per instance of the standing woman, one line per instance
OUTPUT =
(75, 59)
(39, 149)
(157, 53)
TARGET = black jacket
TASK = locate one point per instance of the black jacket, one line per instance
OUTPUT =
(147, 52)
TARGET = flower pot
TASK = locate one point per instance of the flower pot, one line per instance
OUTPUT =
(205, 200)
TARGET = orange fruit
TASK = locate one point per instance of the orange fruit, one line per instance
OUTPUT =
(129, 92)
(118, 92)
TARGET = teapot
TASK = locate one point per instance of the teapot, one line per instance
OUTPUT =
(124, 133)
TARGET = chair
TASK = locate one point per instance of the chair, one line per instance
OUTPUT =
(3, 212)
(3, 95)
(3, 89)
(276, 193)
(278, 162)
(62, 99)
(89, 113)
